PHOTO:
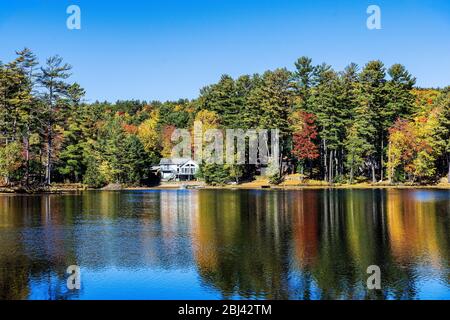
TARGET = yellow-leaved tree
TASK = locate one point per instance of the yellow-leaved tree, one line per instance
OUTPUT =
(148, 133)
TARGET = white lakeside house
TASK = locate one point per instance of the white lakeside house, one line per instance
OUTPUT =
(178, 169)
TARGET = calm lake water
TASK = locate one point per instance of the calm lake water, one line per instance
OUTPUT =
(216, 244)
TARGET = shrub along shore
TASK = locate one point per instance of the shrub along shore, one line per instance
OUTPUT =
(252, 185)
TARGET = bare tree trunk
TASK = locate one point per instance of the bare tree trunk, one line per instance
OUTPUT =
(325, 152)
(7, 174)
(390, 170)
(374, 179)
(310, 169)
(302, 169)
(281, 161)
(48, 168)
(351, 170)
(336, 159)
(331, 167)
(49, 141)
(27, 156)
(382, 159)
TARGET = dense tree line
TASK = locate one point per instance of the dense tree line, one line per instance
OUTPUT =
(360, 124)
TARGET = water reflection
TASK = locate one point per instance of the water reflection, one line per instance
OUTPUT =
(210, 244)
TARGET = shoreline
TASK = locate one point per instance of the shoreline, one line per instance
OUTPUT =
(58, 189)
(303, 187)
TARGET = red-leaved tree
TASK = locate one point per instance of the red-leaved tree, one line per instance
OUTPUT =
(305, 134)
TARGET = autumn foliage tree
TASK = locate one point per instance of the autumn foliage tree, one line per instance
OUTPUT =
(341, 125)
(410, 153)
(304, 137)
(166, 140)
(148, 133)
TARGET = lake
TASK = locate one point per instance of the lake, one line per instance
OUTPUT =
(226, 244)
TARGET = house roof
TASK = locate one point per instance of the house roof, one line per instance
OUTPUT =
(177, 161)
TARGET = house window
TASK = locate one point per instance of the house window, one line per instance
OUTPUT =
(188, 169)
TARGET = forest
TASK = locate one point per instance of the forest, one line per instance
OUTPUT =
(366, 123)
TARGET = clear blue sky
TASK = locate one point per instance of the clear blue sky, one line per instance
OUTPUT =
(169, 49)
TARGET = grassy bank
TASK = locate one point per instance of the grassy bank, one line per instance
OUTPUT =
(292, 183)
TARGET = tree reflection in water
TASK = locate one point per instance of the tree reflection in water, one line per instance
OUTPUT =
(306, 244)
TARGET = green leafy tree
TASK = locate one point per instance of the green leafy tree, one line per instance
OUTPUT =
(326, 105)
(135, 161)
(222, 98)
(52, 79)
(10, 160)
(359, 141)
(214, 174)
(442, 132)
(93, 177)
(372, 95)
